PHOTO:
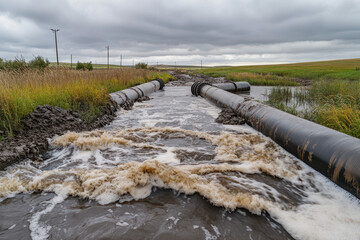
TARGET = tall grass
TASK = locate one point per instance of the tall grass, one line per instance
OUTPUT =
(334, 104)
(81, 91)
(264, 79)
(338, 105)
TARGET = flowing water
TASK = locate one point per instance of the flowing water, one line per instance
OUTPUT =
(166, 170)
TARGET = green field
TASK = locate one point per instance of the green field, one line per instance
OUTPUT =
(289, 74)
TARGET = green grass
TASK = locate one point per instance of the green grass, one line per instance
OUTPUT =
(261, 79)
(287, 74)
(332, 103)
(82, 91)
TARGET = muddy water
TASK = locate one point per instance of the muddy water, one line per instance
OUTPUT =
(261, 94)
(167, 170)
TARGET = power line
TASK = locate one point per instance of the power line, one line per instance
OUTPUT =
(56, 46)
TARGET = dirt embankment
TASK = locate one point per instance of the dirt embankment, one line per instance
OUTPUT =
(45, 122)
(188, 80)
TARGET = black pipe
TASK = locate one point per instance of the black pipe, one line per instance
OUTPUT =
(334, 154)
(230, 87)
(138, 91)
(233, 86)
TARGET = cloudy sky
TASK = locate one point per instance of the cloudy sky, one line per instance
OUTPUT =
(217, 32)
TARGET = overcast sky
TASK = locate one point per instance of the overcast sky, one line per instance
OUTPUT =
(218, 32)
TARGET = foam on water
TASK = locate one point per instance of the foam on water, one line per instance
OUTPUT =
(322, 210)
(38, 229)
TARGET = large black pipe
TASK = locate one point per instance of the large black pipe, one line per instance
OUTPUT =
(334, 154)
(230, 87)
(233, 86)
(138, 91)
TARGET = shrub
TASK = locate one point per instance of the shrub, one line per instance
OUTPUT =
(89, 66)
(84, 66)
(141, 66)
(39, 63)
(19, 64)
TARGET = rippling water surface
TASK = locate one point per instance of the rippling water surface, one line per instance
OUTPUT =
(167, 170)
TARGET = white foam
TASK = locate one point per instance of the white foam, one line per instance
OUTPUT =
(122, 223)
(12, 226)
(208, 235)
(169, 157)
(334, 215)
(39, 230)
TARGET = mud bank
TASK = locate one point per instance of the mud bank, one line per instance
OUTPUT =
(187, 80)
(228, 116)
(45, 122)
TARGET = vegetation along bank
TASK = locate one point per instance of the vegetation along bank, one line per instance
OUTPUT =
(331, 96)
(36, 104)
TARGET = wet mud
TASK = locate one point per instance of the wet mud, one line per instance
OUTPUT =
(188, 80)
(31, 141)
(228, 116)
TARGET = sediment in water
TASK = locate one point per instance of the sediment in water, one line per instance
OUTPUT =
(247, 171)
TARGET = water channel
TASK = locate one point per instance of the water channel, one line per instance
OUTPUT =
(166, 170)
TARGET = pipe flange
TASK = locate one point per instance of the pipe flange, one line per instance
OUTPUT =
(196, 87)
(193, 87)
(162, 84)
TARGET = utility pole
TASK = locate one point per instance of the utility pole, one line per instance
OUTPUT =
(71, 61)
(120, 60)
(133, 61)
(107, 47)
(57, 55)
(201, 64)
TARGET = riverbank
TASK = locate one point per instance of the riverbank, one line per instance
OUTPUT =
(85, 92)
(331, 94)
(45, 122)
(36, 106)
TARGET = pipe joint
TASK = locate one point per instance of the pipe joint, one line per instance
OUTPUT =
(196, 87)
(162, 84)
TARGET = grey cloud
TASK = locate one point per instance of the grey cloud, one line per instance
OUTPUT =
(174, 29)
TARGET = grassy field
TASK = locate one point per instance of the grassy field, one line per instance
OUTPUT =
(289, 74)
(81, 91)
